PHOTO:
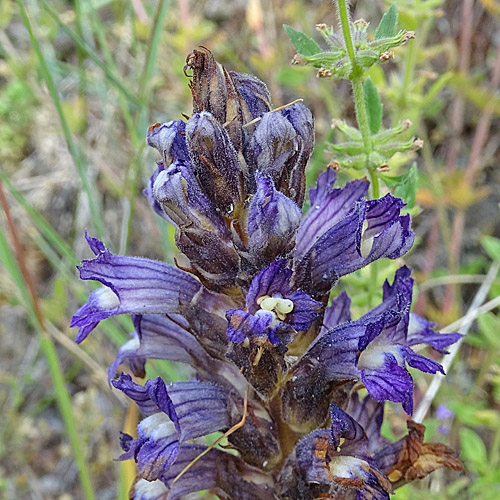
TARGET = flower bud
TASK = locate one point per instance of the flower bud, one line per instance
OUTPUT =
(215, 162)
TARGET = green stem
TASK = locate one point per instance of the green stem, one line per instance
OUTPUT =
(356, 78)
(495, 449)
(346, 30)
(409, 71)
(361, 113)
(64, 404)
(364, 127)
(374, 184)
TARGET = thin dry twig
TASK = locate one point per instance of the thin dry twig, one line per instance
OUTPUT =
(473, 166)
(21, 258)
(234, 428)
(92, 365)
(279, 108)
(454, 279)
(463, 325)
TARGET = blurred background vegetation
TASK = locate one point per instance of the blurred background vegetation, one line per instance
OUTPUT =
(80, 82)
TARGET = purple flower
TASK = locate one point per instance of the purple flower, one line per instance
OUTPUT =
(374, 349)
(333, 461)
(158, 336)
(183, 411)
(273, 363)
(273, 220)
(342, 233)
(272, 310)
(445, 416)
(132, 285)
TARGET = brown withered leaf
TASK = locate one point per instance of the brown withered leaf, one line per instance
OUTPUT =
(418, 459)
(214, 90)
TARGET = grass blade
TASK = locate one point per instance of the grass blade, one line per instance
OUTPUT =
(18, 272)
(40, 223)
(64, 404)
(146, 78)
(101, 37)
(91, 54)
(75, 153)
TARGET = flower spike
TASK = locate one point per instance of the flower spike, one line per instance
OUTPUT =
(275, 364)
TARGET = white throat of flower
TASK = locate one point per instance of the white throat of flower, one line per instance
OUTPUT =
(146, 489)
(276, 304)
(345, 466)
(373, 357)
(157, 426)
(366, 242)
(106, 298)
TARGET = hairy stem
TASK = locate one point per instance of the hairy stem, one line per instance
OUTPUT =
(356, 78)
(374, 183)
(361, 113)
(346, 30)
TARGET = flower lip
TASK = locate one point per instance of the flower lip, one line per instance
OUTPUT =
(373, 357)
(157, 426)
(150, 490)
(106, 298)
(135, 285)
(272, 308)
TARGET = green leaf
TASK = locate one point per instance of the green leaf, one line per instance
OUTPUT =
(387, 25)
(406, 185)
(408, 21)
(473, 449)
(407, 190)
(489, 326)
(304, 45)
(373, 105)
(293, 76)
(491, 246)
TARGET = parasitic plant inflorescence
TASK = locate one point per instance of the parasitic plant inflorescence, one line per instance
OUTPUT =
(274, 362)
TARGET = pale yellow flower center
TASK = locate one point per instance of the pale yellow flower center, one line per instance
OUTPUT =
(279, 306)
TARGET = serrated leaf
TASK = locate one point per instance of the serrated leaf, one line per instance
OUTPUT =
(491, 246)
(373, 105)
(387, 25)
(303, 44)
